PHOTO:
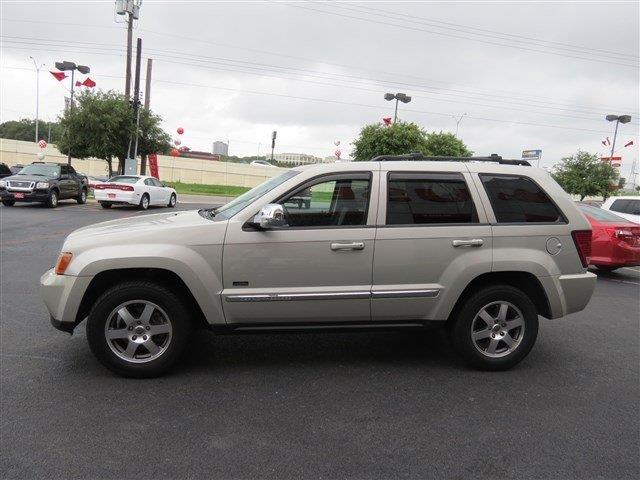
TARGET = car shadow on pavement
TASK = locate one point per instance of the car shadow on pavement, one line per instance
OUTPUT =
(230, 352)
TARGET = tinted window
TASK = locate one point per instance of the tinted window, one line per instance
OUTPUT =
(626, 206)
(423, 199)
(156, 182)
(519, 200)
(41, 169)
(337, 202)
(148, 181)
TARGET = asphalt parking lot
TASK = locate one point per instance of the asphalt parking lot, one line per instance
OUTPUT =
(368, 405)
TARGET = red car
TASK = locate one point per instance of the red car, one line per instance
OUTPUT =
(615, 240)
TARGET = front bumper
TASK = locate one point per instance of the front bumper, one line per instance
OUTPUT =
(33, 196)
(62, 295)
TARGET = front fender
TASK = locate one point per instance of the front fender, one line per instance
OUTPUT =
(202, 277)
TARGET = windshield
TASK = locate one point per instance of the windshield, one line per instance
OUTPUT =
(234, 206)
(600, 214)
(124, 179)
(41, 170)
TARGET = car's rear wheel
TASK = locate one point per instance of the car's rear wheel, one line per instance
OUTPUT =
(52, 200)
(82, 196)
(495, 328)
(8, 203)
(138, 329)
(105, 204)
(144, 202)
(172, 201)
(607, 268)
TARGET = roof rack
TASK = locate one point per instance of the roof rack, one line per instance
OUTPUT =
(420, 157)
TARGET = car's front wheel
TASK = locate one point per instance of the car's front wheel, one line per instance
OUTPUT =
(82, 196)
(138, 329)
(495, 328)
(52, 200)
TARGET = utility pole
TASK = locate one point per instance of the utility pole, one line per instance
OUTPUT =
(147, 101)
(273, 143)
(133, 144)
(130, 9)
(38, 67)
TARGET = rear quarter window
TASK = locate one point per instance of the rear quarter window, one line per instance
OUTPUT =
(518, 199)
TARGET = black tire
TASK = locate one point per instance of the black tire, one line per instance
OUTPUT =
(178, 315)
(8, 203)
(82, 196)
(607, 268)
(460, 328)
(52, 200)
(143, 205)
(105, 204)
(172, 201)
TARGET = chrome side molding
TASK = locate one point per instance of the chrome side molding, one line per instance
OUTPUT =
(288, 297)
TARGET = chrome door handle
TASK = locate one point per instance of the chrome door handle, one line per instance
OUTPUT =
(476, 242)
(348, 246)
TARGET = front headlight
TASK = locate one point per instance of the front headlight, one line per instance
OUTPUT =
(3, 184)
(42, 185)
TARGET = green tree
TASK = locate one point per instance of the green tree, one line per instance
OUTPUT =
(101, 125)
(25, 129)
(401, 138)
(585, 175)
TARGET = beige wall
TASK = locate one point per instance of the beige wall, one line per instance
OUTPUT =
(171, 169)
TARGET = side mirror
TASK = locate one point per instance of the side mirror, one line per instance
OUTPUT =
(270, 216)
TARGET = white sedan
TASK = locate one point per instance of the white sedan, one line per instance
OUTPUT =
(134, 190)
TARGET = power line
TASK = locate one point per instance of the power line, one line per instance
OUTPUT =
(407, 27)
(395, 75)
(307, 73)
(472, 30)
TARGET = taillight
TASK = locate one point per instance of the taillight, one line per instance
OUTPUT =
(126, 188)
(113, 186)
(99, 186)
(582, 240)
(627, 235)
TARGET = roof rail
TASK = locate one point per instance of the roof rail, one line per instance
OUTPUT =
(420, 157)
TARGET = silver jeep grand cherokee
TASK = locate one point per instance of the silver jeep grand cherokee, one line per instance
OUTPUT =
(482, 246)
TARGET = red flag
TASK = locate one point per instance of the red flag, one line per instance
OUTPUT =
(59, 75)
(89, 83)
(628, 144)
(78, 83)
(387, 121)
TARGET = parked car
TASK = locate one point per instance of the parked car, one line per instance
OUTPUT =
(261, 163)
(5, 171)
(615, 240)
(93, 180)
(482, 247)
(137, 190)
(43, 182)
(626, 207)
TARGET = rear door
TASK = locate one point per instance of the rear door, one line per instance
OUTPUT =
(432, 239)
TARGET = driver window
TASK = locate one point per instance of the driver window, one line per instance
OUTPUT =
(330, 203)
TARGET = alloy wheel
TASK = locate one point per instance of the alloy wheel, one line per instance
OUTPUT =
(497, 329)
(138, 331)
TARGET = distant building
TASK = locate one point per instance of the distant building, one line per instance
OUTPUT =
(187, 153)
(295, 159)
(221, 148)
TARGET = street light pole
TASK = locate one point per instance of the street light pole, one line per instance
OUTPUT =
(71, 67)
(71, 110)
(618, 119)
(38, 67)
(404, 98)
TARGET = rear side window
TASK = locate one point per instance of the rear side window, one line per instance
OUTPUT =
(517, 199)
(418, 199)
(626, 206)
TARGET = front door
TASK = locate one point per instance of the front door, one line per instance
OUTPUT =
(67, 183)
(433, 238)
(317, 268)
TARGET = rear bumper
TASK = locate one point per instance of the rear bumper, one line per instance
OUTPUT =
(62, 295)
(34, 196)
(129, 198)
(569, 293)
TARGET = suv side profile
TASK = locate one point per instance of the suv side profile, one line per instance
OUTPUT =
(481, 247)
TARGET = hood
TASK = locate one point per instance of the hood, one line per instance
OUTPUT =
(183, 228)
(28, 178)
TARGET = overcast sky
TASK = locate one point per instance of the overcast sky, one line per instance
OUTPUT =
(528, 75)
